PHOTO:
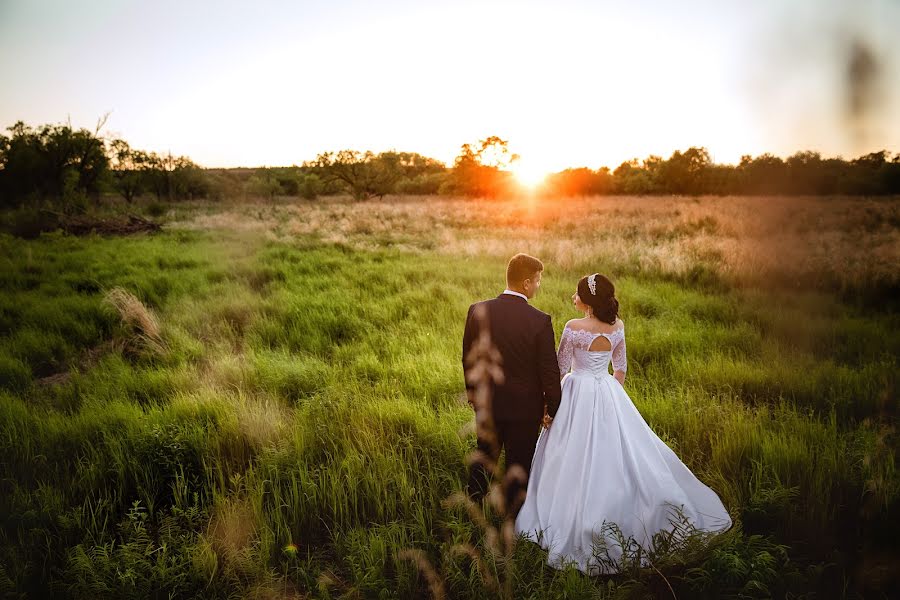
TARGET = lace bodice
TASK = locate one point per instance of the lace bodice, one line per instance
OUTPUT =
(573, 352)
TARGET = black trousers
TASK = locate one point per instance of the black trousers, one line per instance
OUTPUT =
(518, 438)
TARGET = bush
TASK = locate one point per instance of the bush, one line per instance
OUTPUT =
(29, 223)
(263, 185)
(421, 185)
(309, 186)
(156, 209)
(53, 161)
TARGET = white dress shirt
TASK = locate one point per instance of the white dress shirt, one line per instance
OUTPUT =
(512, 293)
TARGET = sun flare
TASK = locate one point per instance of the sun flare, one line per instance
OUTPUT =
(527, 174)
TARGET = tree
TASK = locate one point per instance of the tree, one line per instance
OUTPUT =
(579, 182)
(635, 177)
(309, 186)
(264, 184)
(175, 177)
(684, 172)
(479, 171)
(764, 174)
(128, 169)
(53, 161)
(158, 175)
(364, 174)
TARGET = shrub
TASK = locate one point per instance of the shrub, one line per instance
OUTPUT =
(309, 186)
(421, 185)
(28, 223)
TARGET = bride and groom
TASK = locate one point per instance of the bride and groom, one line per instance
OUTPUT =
(587, 455)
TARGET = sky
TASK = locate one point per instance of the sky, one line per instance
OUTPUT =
(566, 83)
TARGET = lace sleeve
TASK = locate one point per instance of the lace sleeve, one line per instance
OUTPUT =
(566, 352)
(619, 359)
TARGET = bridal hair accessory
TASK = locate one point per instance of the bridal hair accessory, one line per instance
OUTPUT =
(592, 284)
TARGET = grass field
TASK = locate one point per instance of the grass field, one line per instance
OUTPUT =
(292, 419)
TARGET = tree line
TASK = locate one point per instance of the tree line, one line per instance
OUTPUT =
(691, 172)
(56, 163)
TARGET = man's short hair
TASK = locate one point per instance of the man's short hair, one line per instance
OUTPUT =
(522, 267)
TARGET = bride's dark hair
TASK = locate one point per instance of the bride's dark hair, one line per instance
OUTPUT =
(603, 302)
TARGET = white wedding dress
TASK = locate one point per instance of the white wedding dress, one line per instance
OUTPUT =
(600, 462)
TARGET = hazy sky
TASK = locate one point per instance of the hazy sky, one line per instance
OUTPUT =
(567, 83)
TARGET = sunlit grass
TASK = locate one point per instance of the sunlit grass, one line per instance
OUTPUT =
(308, 395)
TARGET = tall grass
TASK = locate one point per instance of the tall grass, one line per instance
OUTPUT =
(303, 424)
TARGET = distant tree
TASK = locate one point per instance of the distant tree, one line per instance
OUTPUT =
(425, 184)
(765, 174)
(364, 174)
(128, 169)
(189, 180)
(635, 177)
(175, 177)
(413, 165)
(158, 175)
(288, 182)
(721, 179)
(685, 172)
(421, 175)
(478, 171)
(53, 162)
(873, 173)
(889, 175)
(579, 182)
(807, 173)
(263, 184)
(309, 186)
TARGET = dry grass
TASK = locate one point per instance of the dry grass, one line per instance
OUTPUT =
(146, 335)
(232, 531)
(849, 243)
(262, 421)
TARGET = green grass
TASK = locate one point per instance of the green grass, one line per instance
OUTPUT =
(310, 395)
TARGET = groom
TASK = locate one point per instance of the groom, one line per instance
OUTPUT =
(523, 336)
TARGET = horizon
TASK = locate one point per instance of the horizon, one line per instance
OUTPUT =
(232, 87)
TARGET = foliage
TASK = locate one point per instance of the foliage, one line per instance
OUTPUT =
(579, 182)
(129, 169)
(51, 161)
(365, 175)
(57, 164)
(175, 178)
(692, 173)
(478, 171)
(426, 184)
(263, 185)
(309, 186)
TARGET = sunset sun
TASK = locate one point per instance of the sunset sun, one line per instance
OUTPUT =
(528, 174)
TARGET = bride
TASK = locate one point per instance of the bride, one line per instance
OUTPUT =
(600, 463)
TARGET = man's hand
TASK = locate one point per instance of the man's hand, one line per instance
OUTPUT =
(547, 421)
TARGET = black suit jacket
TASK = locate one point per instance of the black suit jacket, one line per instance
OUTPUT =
(524, 337)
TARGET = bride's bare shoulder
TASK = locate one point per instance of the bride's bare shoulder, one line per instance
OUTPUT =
(575, 324)
(594, 326)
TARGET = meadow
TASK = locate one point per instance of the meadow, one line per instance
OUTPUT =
(264, 399)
